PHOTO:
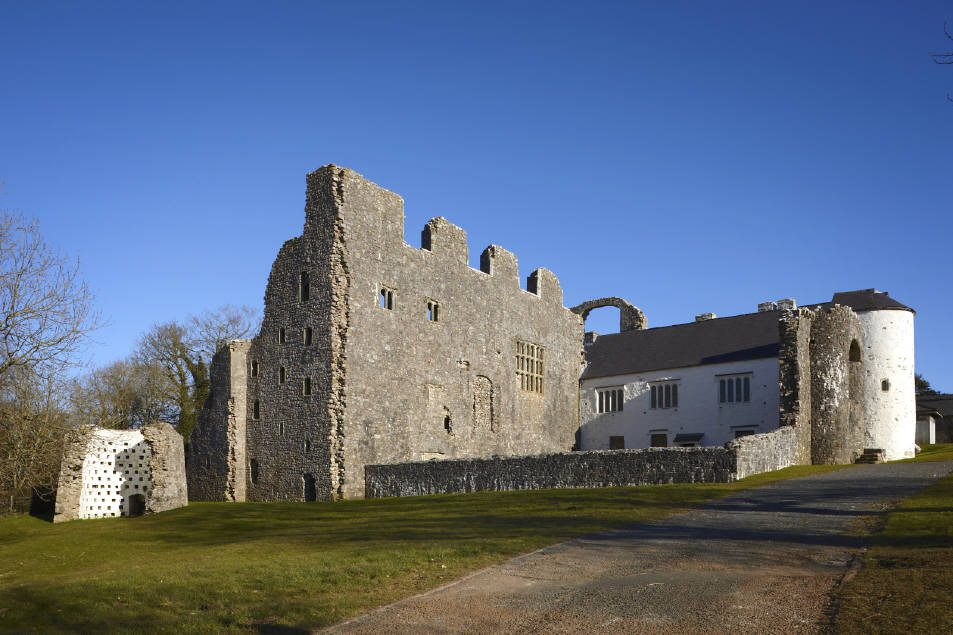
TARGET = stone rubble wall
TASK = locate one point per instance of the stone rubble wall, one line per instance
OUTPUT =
(167, 467)
(69, 487)
(775, 450)
(613, 468)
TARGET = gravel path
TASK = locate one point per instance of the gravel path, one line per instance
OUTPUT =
(763, 561)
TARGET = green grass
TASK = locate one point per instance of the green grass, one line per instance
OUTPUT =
(906, 583)
(239, 566)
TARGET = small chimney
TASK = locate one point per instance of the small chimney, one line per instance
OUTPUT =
(787, 304)
(765, 307)
(704, 317)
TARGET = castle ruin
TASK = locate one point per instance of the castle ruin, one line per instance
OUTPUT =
(373, 351)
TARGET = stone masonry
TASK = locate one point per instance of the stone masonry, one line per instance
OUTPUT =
(111, 473)
(374, 351)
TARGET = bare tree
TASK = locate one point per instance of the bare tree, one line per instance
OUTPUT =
(32, 428)
(183, 353)
(124, 394)
(46, 311)
(944, 58)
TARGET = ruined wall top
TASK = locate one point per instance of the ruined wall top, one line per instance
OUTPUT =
(631, 318)
(331, 188)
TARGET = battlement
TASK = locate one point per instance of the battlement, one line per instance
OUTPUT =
(377, 216)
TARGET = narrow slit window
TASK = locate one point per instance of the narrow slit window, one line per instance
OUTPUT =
(256, 410)
(254, 368)
(433, 311)
(281, 374)
(308, 336)
(385, 298)
(306, 387)
(304, 287)
(281, 335)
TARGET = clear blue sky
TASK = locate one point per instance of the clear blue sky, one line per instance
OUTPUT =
(688, 156)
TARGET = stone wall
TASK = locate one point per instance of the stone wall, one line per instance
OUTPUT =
(650, 466)
(216, 453)
(342, 381)
(837, 404)
(110, 473)
(775, 450)
(794, 378)
(166, 467)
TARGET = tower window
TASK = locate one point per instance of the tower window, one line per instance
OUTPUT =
(304, 286)
(385, 298)
(306, 387)
(281, 335)
(281, 374)
(885, 385)
(256, 410)
(433, 311)
(254, 368)
(308, 336)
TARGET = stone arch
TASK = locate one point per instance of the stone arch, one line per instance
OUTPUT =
(631, 318)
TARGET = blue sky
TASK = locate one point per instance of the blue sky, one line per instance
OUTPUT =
(688, 156)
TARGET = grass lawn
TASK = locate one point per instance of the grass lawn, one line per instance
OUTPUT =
(906, 584)
(237, 566)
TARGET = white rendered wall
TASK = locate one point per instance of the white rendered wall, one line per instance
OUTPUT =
(698, 409)
(116, 467)
(891, 414)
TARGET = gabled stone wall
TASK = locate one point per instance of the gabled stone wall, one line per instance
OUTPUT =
(389, 384)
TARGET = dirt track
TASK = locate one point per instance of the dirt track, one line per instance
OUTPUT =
(764, 561)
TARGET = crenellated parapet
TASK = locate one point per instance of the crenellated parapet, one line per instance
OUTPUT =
(445, 240)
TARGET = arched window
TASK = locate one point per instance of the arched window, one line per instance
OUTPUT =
(854, 354)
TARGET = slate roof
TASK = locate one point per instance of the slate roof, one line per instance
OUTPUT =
(728, 339)
(942, 403)
(866, 300)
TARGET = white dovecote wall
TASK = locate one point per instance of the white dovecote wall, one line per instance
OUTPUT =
(888, 377)
(115, 469)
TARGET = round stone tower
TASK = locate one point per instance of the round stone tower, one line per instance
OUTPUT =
(888, 394)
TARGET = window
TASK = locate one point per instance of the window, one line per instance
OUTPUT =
(281, 335)
(254, 471)
(433, 311)
(617, 443)
(307, 445)
(664, 395)
(658, 439)
(281, 374)
(281, 428)
(308, 336)
(743, 432)
(885, 385)
(529, 367)
(609, 400)
(734, 389)
(306, 387)
(254, 368)
(304, 287)
(256, 410)
(385, 298)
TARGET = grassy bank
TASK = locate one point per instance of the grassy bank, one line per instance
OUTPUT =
(221, 566)
(906, 583)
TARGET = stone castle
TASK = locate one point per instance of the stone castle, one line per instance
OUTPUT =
(374, 351)
(435, 376)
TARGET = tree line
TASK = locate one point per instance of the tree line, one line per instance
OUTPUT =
(47, 314)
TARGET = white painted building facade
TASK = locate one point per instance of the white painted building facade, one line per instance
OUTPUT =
(889, 391)
(707, 411)
(116, 474)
